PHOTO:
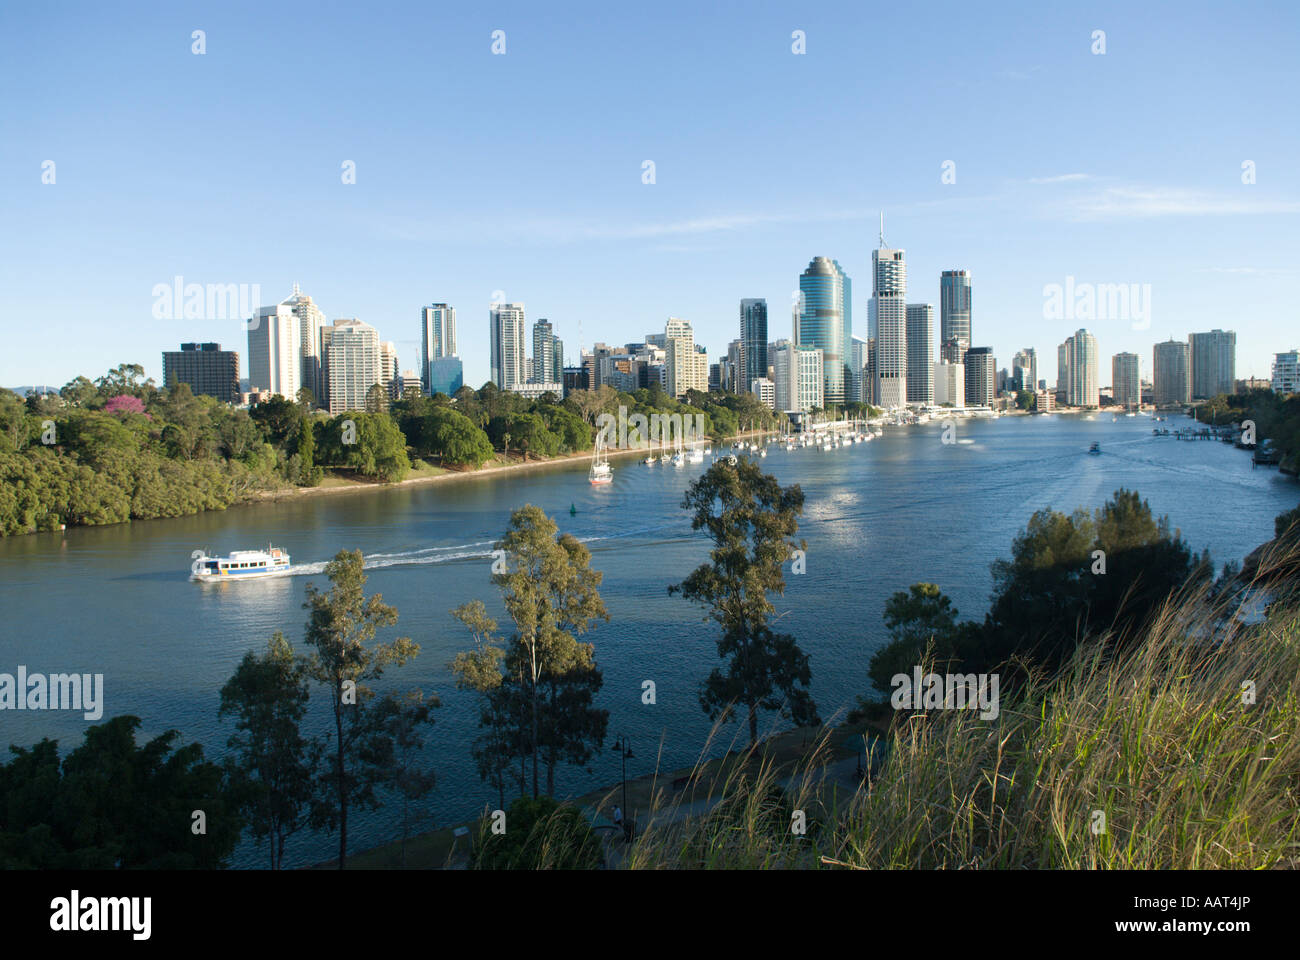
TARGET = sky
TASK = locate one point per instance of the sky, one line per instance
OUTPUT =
(992, 137)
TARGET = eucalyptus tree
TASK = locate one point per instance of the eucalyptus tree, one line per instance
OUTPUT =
(750, 518)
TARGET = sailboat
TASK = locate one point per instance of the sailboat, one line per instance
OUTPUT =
(601, 471)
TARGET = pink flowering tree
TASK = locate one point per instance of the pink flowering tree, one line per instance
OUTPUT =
(124, 403)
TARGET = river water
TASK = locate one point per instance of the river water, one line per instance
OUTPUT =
(879, 516)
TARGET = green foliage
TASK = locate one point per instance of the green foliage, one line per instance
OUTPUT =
(271, 765)
(113, 804)
(540, 834)
(748, 516)
(341, 628)
(377, 450)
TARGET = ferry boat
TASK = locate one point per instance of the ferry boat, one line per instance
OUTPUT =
(240, 565)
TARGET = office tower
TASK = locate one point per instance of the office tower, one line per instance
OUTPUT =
(437, 338)
(1062, 372)
(206, 368)
(889, 273)
(920, 351)
(548, 354)
(980, 370)
(275, 351)
(765, 391)
(860, 362)
(575, 378)
(753, 339)
(950, 383)
(1125, 380)
(1171, 369)
(508, 351)
(954, 314)
(354, 362)
(310, 323)
(1024, 369)
(446, 375)
(1082, 388)
(782, 379)
(679, 346)
(1286, 372)
(1214, 363)
(734, 370)
(821, 321)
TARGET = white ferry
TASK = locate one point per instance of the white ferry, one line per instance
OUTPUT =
(240, 565)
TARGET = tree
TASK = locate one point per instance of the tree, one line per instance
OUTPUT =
(341, 629)
(920, 618)
(403, 719)
(749, 517)
(272, 764)
(113, 804)
(376, 399)
(457, 440)
(550, 593)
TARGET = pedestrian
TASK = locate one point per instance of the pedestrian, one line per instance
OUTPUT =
(618, 815)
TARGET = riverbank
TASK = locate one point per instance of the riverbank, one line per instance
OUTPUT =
(444, 475)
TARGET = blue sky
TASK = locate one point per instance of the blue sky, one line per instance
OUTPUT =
(522, 172)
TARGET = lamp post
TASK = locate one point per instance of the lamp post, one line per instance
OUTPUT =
(624, 748)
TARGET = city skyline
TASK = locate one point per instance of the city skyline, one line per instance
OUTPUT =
(1030, 200)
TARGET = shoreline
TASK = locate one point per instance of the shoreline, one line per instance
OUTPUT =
(293, 493)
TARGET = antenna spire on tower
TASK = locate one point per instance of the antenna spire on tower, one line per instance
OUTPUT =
(882, 228)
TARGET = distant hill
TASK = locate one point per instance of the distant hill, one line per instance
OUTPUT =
(23, 391)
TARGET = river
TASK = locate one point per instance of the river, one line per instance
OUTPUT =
(117, 600)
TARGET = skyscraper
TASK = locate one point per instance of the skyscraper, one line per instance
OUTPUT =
(821, 321)
(980, 373)
(310, 323)
(889, 275)
(1024, 369)
(860, 363)
(753, 339)
(275, 350)
(920, 353)
(1082, 387)
(1171, 380)
(354, 362)
(437, 339)
(1286, 372)
(954, 314)
(506, 321)
(1214, 363)
(1126, 380)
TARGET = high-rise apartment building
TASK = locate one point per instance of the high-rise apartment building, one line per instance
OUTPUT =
(920, 353)
(548, 354)
(799, 377)
(980, 374)
(889, 276)
(506, 322)
(1214, 363)
(1126, 380)
(437, 339)
(679, 350)
(354, 362)
(823, 289)
(1171, 373)
(954, 314)
(1082, 389)
(206, 368)
(1286, 372)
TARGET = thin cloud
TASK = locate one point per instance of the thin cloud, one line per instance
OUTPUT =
(1135, 203)
(1062, 178)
